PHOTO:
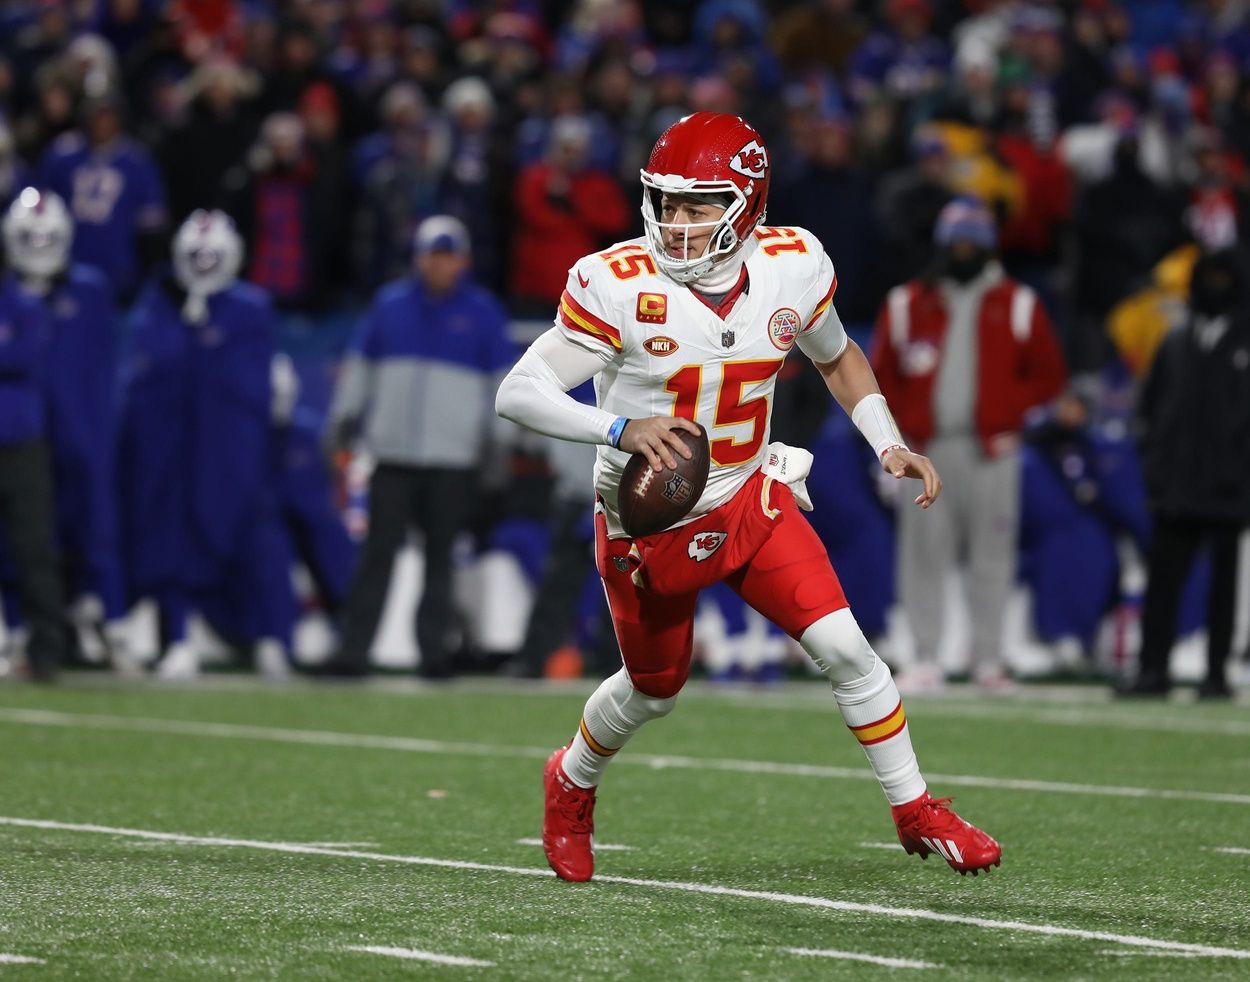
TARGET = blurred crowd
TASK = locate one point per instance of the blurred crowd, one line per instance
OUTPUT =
(1109, 141)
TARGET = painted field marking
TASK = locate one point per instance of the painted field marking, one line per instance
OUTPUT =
(1233, 850)
(706, 889)
(1119, 953)
(340, 845)
(855, 956)
(328, 738)
(20, 960)
(422, 956)
(598, 845)
(892, 846)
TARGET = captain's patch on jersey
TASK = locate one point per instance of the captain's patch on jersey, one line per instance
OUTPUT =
(652, 309)
(783, 327)
(704, 544)
(660, 345)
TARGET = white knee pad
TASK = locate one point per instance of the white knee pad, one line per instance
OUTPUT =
(839, 648)
(626, 708)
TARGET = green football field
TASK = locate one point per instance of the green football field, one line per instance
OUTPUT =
(390, 831)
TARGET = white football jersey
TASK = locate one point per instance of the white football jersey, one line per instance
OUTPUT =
(666, 352)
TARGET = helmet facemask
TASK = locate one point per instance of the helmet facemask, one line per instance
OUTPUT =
(721, 244)
(38, 233)
(207, 255)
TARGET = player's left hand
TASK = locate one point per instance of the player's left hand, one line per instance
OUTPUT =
(901, 463)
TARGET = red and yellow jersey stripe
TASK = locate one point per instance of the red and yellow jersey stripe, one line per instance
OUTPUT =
(577, 318)
(823, 304)
(883, 728)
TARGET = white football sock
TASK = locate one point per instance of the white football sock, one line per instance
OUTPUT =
(614, 712)
(869, 702)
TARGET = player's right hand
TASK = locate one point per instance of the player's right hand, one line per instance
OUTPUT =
(653, 437)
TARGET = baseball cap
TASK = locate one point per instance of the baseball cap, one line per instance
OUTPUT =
(965, 220)
(442, 233)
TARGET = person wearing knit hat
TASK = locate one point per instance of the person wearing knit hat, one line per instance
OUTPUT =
(964, 353)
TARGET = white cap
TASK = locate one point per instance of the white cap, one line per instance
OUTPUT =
(442, 232)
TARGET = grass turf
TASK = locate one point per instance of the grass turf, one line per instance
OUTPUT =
(105, 906)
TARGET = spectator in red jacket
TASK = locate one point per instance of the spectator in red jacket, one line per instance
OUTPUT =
(962, 355)
(564, 210)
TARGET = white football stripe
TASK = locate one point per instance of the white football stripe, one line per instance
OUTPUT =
(20, 960)
(880, 845)
(707, 889)
(1233, 850)
(328, 738)
(422, 956)
(855, 956)
(598, 845)
(1143, 953)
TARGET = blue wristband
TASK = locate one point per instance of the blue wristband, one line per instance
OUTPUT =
(615, 431)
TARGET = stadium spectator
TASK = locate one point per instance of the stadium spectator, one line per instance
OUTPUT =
(27, 501)
(78, 380)
(909, 201)
(114, 191)
(964, 354)
(418, 382)
(1124, 224)
(12, 170)
(221, 125)
(477, 185)
(563, 210)
(1194, 415)
(288, 210)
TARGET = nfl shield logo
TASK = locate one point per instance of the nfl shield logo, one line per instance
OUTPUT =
(727, 339)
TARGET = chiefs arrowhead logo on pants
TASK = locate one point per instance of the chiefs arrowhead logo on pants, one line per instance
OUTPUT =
(704, 544)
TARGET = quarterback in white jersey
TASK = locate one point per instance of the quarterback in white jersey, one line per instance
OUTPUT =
(669, 351)
(692, 323)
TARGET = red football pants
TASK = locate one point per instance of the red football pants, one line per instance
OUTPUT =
(788, 579)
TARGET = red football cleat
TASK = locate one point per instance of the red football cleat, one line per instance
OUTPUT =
(928, 825)
(568, 823)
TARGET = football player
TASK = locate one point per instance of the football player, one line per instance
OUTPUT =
(692, 323)
(195, 443)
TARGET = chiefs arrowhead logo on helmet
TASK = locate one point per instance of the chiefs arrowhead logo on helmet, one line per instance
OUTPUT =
(750, 161)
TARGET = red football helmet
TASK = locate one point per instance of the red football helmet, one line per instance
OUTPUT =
(706, 153)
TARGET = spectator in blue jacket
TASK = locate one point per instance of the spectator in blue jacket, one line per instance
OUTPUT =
(27, 518)
(114, 192)
(420, 381)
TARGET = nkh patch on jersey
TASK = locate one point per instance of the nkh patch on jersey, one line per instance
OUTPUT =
(661, 346)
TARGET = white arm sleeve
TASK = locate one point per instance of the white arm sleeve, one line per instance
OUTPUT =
(535, 393)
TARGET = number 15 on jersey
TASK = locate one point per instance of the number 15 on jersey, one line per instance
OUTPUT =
(731, 407)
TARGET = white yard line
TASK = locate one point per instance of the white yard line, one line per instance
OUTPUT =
(881, 845)
(599, 846)
(1118, 953)
(709, 889)
(340, 845)
(1233, 850)
(422, 956)
(326, 738)
(854, 956)
(20, 960)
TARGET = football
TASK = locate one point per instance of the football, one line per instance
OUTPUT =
(652, 501)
